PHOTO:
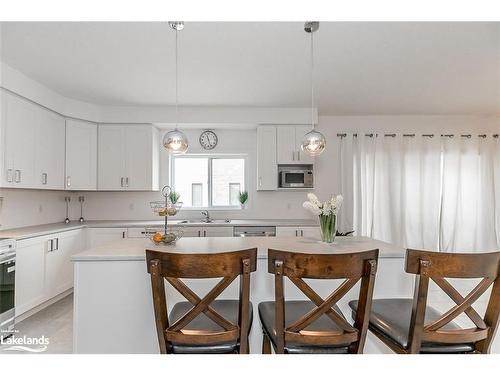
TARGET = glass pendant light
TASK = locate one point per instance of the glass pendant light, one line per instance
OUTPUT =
(176, 141)
(314, 142)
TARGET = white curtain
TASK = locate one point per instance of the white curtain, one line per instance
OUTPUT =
(471, 193)
(423, 192)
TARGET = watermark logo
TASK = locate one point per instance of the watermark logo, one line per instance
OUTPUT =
(9, 342)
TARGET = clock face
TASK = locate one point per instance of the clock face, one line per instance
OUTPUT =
(208, 140)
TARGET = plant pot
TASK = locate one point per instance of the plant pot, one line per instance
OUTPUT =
(328, 226)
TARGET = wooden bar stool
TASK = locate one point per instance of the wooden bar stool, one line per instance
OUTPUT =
(317, 325)
(202, 325)
(411, 326)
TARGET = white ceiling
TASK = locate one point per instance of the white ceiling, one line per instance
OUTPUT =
(361, 68)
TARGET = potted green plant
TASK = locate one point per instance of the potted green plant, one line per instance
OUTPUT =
(243, 198)
(173, 196)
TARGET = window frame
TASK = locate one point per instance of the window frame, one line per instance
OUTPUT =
(209, 158)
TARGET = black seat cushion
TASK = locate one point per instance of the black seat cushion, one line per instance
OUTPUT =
(293, 311)
(391, 318)
(227, 308)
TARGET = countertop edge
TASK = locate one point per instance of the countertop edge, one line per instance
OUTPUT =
(23, 233)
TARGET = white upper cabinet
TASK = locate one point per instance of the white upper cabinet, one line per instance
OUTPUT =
(50, 150)
(128, 157)
(288, 143)
(18, 141)
(33, 144)
(300, 131)
(285, 147)
(267, 168)
(81, 155)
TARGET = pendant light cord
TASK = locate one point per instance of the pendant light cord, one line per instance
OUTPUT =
(312, 79)
(176, 80)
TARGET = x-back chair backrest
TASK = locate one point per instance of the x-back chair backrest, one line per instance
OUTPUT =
(174, 266)
(428, 265)
(298, 266)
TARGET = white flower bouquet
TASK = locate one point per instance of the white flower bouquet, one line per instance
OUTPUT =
(327, 212)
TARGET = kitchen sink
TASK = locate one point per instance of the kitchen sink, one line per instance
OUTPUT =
(211, 221)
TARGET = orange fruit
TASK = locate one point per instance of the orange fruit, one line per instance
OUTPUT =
(157, 237)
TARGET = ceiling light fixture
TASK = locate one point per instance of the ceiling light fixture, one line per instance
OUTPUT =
(314, 142)
(176, 141)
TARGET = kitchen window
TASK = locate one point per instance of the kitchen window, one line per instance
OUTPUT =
(208, 181)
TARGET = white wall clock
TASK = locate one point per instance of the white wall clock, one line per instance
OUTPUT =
(208, 140)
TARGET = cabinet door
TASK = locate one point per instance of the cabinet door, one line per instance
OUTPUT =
(302, 157)
(111, 161)
(267, 168)
(58, 265)
(192, 231)
(311, 232)
(20, 135)
(287, 232)
(30, 271)
(103, 236)
(49, 150)
(81, 155)
(218, 232)
(286, 145)
(139, 157)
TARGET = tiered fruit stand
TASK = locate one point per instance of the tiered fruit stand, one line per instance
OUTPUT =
(165, 208)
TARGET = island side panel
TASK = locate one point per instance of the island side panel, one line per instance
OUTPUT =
(114, 311)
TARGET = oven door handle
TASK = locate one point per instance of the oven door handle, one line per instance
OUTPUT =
(7, 260)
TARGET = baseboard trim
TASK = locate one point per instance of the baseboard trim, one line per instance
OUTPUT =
(43, 305)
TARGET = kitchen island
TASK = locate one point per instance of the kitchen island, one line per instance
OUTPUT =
(113, 311)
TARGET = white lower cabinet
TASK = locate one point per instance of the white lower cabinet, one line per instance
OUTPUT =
(217, 231)
(30, 273)
(309, 232)
(207, 231)
(58, 265)
(103, 236)
(44, 268)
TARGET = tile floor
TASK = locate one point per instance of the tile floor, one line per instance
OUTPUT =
(54, 322)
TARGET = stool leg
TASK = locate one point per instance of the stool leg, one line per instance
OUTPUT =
(266, 344)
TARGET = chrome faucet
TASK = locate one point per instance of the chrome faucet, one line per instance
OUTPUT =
(207, 216)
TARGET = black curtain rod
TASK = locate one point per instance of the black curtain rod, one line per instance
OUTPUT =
(343, 135)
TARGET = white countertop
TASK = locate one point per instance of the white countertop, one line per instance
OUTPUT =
(47, 229)
(133, 249)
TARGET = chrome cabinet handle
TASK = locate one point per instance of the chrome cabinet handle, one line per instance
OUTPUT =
(293, 155)
(57, 244)
(44, 178)
(126, 181)
(17, 175)
(204, 233)
(199, 233)
(10, 178)
(298, 155)
(301, 233)
(121, 181)
(68, 181)
(50, 248)
(296, 233)
(123, 234)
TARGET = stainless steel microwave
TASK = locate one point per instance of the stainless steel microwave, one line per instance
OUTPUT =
(296, 178)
